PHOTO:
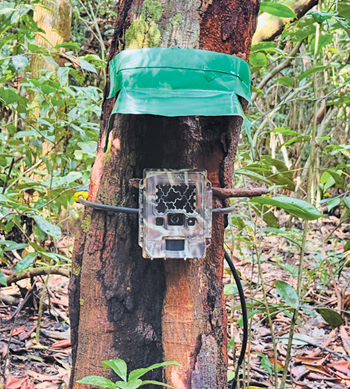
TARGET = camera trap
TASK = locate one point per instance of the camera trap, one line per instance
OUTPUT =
(175, 213)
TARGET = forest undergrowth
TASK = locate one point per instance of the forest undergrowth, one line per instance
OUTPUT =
(292, 246)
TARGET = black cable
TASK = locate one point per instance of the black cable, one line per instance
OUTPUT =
(244, 316)
(107, 208)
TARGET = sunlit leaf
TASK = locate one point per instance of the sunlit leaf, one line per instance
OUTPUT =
(118, 366)
(99, 381)
(287, 293)
(277, 9)
(295, 207)
(3, 280)
(47, 227)
(26, 262)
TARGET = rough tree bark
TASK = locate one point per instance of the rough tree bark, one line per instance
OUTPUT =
(124, 306)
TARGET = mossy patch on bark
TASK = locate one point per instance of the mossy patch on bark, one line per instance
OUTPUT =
(85, 224)
(144, 32)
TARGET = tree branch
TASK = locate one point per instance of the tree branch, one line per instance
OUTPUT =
(39, 271)
(270, 26)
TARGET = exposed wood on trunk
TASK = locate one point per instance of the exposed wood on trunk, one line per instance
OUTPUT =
(124, 306)
(269, 26)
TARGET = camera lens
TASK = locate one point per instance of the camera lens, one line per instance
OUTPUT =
(176, 219)
(191, 221)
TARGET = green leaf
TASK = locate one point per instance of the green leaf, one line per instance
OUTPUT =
(19, 62)
(230, 375)
(277, 9)
(285, 131)
(286, 81)
(47, 227)
(16, 246)
(331, 317)
(261, 46)
(99, 381)
(140, 372)
(87, 66)
(253, 175)
(3, 280)
(295, 207)
(311, 71)
(296, 139)
(321, 16)
(347, 202)
(9, 96)
(156, 383)
(118, 366)
(339, 180)
(258, 59)
(347, 246)
(68, 45)
(287, 293)
(26, 262)
(129, 385)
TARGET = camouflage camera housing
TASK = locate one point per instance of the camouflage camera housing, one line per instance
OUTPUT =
(175, 213)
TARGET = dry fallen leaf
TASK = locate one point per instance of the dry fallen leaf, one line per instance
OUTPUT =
(315, 376)
(17, 330)
(61, 343)
(345, 339)
(315, 361)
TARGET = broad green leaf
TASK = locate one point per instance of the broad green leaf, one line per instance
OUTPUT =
(261, 46)
(86, 65)
(311, 71)
(47, 227)
(287, 293)
(118, 366)
(156, 383)
(295, 207)
(347, 202)
(286, 81)
(321, 16)
(332, 203)
(230, 375)
(296, 139)
(16, 246)
(331, 317)
(99, 381)
(9, 96)
(19, 62)
(277, 9)
(253, 175)
(231, 288)
(258, 59)
(68, 45)
(26, 262)
(285, 131)
(140, 372)
(3, 280)
(339, 180)
(90, 147)
(129, 385)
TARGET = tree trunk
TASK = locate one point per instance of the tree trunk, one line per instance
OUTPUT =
(125, 306)
(55, 18)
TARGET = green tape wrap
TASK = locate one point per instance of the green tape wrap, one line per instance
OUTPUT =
(178, 82)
